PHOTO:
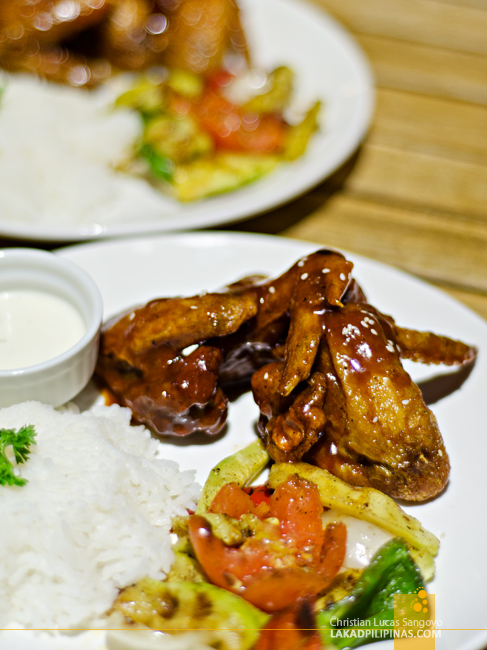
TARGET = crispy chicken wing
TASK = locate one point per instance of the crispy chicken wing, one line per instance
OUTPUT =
(374, 428)
(388, 425)
(202, 31)
(146, 360)
(325, 369)
(33, 37)
(81, 41)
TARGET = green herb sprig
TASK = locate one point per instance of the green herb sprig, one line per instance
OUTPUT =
(20, 441)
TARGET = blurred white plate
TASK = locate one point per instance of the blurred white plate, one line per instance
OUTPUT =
(329, 66)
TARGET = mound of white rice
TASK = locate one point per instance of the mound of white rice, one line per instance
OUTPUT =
(94, 516)
(59, 148)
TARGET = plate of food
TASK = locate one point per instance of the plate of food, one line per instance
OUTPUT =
(90, 530)
(169, 139)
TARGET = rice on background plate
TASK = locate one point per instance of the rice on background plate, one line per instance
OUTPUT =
(60, 149)
(94, 516)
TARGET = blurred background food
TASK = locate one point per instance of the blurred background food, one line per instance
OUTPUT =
(208, 128)
(81, 42)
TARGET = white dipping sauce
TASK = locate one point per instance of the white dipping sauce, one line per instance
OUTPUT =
(36, 326)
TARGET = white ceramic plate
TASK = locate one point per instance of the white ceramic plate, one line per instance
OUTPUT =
(132, 272)
(328, 65)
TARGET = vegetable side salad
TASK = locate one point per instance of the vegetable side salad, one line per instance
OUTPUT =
(208, 135)
(256, 568)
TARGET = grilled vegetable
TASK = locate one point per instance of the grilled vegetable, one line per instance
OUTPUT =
(178, 606)
(286, 555)
(368, 504)
(277, 96)
(299, 135)
(392, 571)
(220, 173)
(241, 468)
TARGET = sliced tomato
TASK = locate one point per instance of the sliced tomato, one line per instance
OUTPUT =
(274, 589)
(231, 500)
(236, 130)
(259, 494)
(226, 566)
(278, 564)
(293, 628)
(219, 79)
(250, 570)
(296, 503)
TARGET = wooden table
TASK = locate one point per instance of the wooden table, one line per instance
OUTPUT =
(415, 194)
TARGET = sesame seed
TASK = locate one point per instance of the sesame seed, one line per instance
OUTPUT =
(266, 376)
(342, 276)
(261, 301)
(301, 263)
(191, 348)
(375, 419)
(405, 401)
(272, 290)
(304, 276)
(325, 270)
(362, 322)
(373, 331)
(193, 307)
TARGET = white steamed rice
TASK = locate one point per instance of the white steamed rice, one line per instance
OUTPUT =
(94, 516)
(59, 148)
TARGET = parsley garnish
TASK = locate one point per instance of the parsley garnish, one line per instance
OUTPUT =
(19, 443)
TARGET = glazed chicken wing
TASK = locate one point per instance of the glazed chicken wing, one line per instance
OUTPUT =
(81, 41)
(325, 368)
(202, 31)
(33, 36)
(388, 425)
(372, 427)
(147, 362)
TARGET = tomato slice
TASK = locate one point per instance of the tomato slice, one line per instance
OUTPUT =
(219, 79)
(225, 566)
(235, 130)
(274, 589)
(259, 494)
(296, 503)
(231, 127)
(293, 628)
(231, 500)
(279, 563)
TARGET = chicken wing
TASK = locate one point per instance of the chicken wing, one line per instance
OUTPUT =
(148, 363)
(325, 369)
(374, 428)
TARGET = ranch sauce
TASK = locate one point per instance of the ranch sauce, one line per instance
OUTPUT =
(35, 327)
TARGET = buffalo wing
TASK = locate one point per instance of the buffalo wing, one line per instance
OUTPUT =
(325, 370)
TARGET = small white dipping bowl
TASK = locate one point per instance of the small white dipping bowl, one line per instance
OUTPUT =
(59, 379)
